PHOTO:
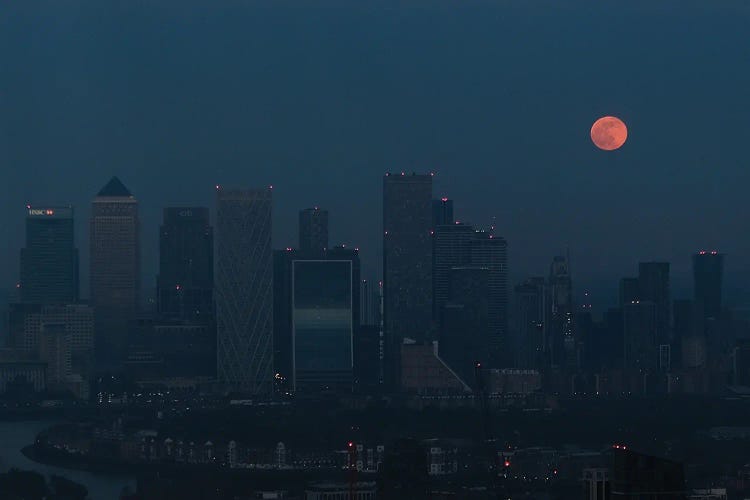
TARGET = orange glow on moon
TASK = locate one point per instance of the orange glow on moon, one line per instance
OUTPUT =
(609, 133)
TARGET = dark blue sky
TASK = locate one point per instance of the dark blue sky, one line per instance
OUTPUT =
(496, 97)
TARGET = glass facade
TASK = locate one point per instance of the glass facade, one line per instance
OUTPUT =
(323, 325)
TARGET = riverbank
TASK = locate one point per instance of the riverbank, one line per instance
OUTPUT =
(16, 435)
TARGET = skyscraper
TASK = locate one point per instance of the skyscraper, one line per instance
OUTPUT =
(708, 271)
(186, 265)
(54, 349)
(244, 295)
(407, 263)
(313, 230)
(451, 246)
(464, 332)
(490, 251)
(114, 270)
(49, 262)
(531, 321)
(282, 316)
(639, 319)
(325, 319)
(653, 286)
(442, 212)
(561, 343)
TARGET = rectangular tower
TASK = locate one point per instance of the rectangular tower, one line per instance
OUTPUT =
(325, 301)
(451, 246)
(708, 271)
(407, 263)
(114, 270)
(653, 286)
(49, 261)
(186, 265)
(531, 322)
(244, 294)
(491, 252)
(313, 230)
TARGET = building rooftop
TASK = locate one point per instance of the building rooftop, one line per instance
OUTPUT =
(115, 189)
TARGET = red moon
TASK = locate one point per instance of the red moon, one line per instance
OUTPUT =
(609, 133)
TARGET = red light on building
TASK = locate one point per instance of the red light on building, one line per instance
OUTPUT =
(443, 199)
(351, 444)
(507, 462)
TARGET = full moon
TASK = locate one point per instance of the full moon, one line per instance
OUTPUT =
(609, 133)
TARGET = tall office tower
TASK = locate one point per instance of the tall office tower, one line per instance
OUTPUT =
(531, 322)
(491, 252)
(708, 271)
(442, 212)
(114, 270)
(653, 286)
(451, 247)
(614, 343)
(186, 265)
(54, 349)
(464, 331)
(407, 264)
(282, 317)
(629, 291)
(560, 342)
(49, 262)
(689, 334)
(313, 230)
(641, 348)
(244, 294)
(325, 319)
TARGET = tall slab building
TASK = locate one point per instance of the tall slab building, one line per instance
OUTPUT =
(244, 290)
(49, 261)
(407, 263)
(114, 270)
(186, 265)
(325, 321)
(490, 251)
(313, 230)
(653, 286)
(708, 272)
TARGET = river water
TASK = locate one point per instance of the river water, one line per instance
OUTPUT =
(16, 435)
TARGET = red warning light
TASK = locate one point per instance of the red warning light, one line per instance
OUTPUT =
(351, 444)
(507, 462)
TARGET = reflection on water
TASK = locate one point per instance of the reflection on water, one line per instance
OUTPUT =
(15, 435)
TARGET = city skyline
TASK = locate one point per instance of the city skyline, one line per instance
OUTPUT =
(602, 291)
(383, 250)
(325, 135)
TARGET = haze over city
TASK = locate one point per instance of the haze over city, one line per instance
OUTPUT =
(376, 250)
(320, 101)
